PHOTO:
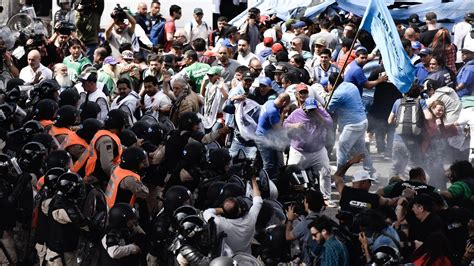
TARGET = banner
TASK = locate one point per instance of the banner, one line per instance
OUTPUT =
(378, 21)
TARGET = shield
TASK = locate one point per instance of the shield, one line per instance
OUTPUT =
(95, 210)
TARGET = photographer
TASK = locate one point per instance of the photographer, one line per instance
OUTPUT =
(313, 204)
(118, 32)
(251, 28)
(62, 34)
(88, 23)
(65, 13)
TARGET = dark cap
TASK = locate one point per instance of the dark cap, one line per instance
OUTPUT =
(247, 75)
(198, 11)
(469, 16)
(280, 69)
(466, 51)
(414, 19)
(425, 51)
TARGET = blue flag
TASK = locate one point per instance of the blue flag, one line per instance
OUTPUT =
(378, 21)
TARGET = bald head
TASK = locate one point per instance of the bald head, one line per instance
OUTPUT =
(282, 100)
(410, 34)
(34, 59)
(142, 8)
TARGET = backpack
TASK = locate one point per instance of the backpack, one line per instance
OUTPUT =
(158, 34)
(409, 118)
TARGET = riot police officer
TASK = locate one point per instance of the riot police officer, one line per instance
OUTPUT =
(125, 182)
(77, 142)
(45, 111)
(7, 246)
(65, 118)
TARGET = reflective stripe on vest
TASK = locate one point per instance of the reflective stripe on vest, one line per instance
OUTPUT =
(46, 123)
(58, 131)
(91, 162)
(73, 139)
(40, 183)
(114, 182)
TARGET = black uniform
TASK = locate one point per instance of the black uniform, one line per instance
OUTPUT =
(419, 187)
(117, 238)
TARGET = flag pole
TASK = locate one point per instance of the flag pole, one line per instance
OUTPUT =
(339, 76)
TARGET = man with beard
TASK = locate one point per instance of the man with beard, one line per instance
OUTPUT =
(109, 73)
(61, 75)
(229, 65)
(186, 99)
(155, 62)
(118, 32)
(127, 99)
(156, 102)
(244, 54)
(99, 55)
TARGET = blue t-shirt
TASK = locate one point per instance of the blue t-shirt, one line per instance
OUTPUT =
(269, 116)
(355, 75)
(466, 76)
(421, 73)
(346, 104)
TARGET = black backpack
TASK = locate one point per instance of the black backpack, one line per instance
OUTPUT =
(409, 118)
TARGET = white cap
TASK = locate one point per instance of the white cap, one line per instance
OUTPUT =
(361, 176)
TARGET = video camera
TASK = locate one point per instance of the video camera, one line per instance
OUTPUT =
(118, 14)
(64, 28)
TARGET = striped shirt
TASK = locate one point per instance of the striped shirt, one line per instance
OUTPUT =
(319, 73)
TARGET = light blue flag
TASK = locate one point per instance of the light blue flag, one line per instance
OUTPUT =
(378, 21)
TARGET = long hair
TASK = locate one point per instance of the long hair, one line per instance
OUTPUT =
(436, 103)
(441, 41)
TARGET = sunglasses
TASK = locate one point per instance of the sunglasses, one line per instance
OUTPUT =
(303, 92)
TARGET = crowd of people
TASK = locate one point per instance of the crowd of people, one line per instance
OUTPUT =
(147, 144)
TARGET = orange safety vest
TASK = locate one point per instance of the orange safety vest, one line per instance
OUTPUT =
(55, 131)
(114, 182)
(73, 139)
(46, 123)
(89, 157)
(40, 183)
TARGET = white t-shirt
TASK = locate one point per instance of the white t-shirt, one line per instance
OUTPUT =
(194, 31)
(245, 60)
(466, 117)
(160, 100)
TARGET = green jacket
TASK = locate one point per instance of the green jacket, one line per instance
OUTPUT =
(88, 23)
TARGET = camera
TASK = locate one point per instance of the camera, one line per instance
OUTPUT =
(118, 14)
(64, 28)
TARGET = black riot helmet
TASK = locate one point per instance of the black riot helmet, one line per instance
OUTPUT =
(88, 128)
(191, 227)
(32, 127)
(70, 185)
(69, 97)
(187, 121)
(120, 214)
(47, 89)
(8, 111)
(194, 153)
(132, 157)
(154, 134)
(32, 156)
(116, 119)
(140, 128)
(58, 159)
(51, 177)
(386, 255)
(5, 164)
(182, 212)
(128, 138)
(219, 159)
(66, 116)
(45, 109)
(89, 110)
(176, 196)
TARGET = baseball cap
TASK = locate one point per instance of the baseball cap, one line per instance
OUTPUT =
(268, 41)
(215, 70)
(209, 53)
(127, 55)
(416, 45)
(88, 77)
(280, 69)
(467, 50)
(198, 11)
(265, 81)
(310, 104)
(320, 41)
(299, 24)
(425, 51)
(301, 87)
(277, 47)
(469, 16)
(247, 75)
(361, 176)
(110, 60)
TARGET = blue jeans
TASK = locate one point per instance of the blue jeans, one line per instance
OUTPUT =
(271, 158)
(352, 140)
(250, 151)
(90, 51)
(384, 137)
(406, 152)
